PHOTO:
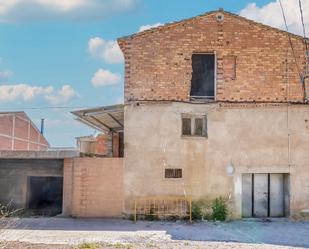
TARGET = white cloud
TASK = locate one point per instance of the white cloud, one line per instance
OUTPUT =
(29, 10)
(5, 75)
(105, 78)
(22, 91)
(109, 51)
(271, 14)
(27, 92)
(149, 26)
(63, 95)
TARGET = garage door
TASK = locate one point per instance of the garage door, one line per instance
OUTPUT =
(263, 195)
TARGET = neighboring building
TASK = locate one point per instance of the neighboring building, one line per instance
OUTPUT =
(18, 132)
(33, 180)
(215, 106)
(109, 121)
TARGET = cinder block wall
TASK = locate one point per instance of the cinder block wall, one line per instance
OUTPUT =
(93, 187)
(14, 175)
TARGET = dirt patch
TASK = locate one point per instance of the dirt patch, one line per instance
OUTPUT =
(21, 245)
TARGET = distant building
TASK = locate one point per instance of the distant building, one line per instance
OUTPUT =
(18, 132)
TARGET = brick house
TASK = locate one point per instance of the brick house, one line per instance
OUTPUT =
(215, 106)
(18, 132)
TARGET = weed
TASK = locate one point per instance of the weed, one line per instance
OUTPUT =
(219, 209)
(197, 213)
(88, 246)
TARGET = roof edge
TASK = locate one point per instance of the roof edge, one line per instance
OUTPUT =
(169, 25)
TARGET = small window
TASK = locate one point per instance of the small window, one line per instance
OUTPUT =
(203, 76)
(198, 129)
(194, 125)
(173, 173)
(186, 126)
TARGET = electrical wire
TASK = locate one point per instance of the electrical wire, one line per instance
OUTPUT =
(303, 24)
(290, 40)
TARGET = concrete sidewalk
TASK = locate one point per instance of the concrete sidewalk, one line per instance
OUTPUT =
(76, 231)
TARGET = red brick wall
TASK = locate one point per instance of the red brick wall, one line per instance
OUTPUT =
(158, 62)
(103, 143)
(17, 132)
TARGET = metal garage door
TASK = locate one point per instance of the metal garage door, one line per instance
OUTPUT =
(263, 195)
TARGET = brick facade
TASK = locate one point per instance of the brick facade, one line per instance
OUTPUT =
(17, 132)
(158, 61)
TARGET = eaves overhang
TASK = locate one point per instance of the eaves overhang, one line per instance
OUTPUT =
(104, 118)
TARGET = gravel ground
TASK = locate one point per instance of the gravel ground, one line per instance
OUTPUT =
(63, 233)
(157, 245)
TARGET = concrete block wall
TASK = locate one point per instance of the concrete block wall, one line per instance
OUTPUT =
(158, 62)
(14, 175)
(93, 187)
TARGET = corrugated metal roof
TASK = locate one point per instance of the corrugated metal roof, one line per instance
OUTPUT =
(104, 118)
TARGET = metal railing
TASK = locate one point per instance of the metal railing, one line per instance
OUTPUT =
(163, 207)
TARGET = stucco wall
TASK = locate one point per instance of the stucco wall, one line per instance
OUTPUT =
(93, 187)
(14, 173)
(253, 137)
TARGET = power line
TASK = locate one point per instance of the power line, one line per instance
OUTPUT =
(303, 24)
(290, 40)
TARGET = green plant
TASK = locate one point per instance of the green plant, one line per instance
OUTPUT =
(88, 246)
(123, 246)
(197, 213)
(219, 209)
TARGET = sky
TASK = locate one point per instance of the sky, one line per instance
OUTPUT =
(57, 56)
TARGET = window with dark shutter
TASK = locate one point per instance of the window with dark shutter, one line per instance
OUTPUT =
(194, 125)
(203, 76)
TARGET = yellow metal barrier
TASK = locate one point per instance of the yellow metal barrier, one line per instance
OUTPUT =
(163, 207)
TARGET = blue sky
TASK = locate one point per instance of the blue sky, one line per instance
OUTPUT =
(63, 53)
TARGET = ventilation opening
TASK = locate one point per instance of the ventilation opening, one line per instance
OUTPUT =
(203, 76)
(45, 195)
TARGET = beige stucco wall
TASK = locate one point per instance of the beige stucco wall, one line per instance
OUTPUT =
(254, 138)
(93, 187)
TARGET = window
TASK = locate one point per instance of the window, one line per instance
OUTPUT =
(186, 126)
(194, 125)
(203, 76)
(173, 173)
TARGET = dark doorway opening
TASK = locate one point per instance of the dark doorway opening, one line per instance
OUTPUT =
(203, 76)
(45, 195)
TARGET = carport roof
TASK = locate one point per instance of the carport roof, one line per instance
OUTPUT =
(104, 118)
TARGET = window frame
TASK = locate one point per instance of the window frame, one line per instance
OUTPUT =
(214, 98)
(173, 178)
(193, 117)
